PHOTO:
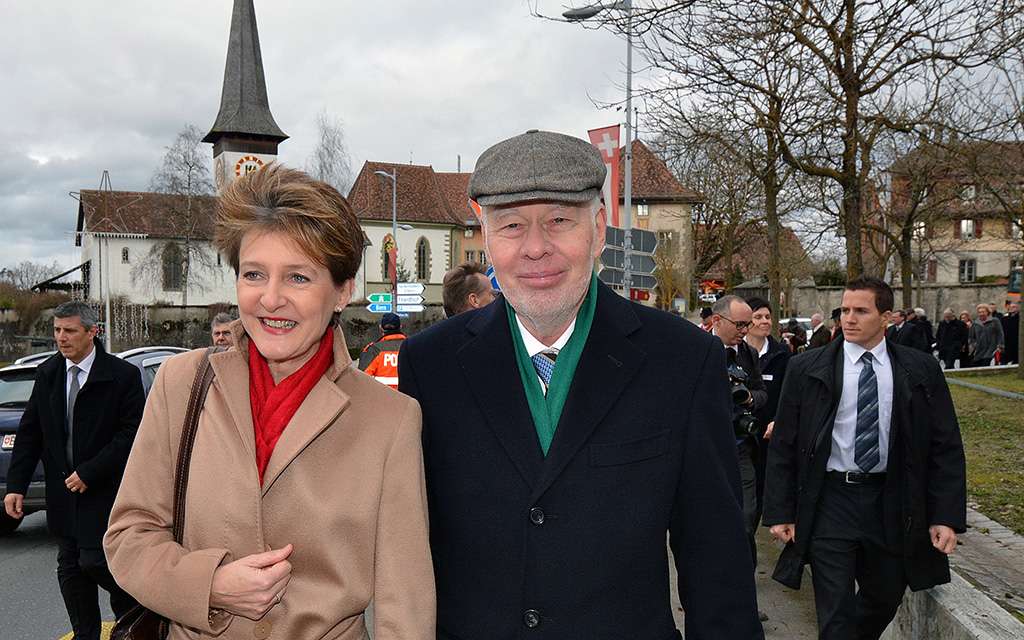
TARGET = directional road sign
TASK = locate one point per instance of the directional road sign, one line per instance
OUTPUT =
(410, 288)
(612, 258)
(380, 297)
(409, 299)
(407, 308)
(643, 240)
(378, 307)
(639, 280)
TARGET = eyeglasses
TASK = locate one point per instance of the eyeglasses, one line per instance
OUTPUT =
(739, 325)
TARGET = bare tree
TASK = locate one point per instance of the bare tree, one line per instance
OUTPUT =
(26, 273)
(842, 72)
(330, 161)
(185, 173)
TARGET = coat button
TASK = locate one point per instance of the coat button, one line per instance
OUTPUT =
(536, 516)
(262, 631)
(531, 618)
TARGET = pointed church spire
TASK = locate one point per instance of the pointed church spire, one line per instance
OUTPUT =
(244, 109)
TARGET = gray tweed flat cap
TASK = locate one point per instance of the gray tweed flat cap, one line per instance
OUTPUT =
(537, 165)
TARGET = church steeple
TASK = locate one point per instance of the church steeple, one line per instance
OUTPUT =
(244, 136)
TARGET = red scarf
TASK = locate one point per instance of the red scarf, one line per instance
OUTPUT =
(273, 406)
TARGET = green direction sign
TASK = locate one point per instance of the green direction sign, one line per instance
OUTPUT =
(380, 297)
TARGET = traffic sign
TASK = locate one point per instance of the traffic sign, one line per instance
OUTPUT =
(380, 297)
(379, 308)
(409, 299)
(407, 308)
(410, 288)
(639, 280)
(643, 240)
(612, 258)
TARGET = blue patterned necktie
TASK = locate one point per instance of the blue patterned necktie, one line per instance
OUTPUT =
(866, 453)
(544, 363)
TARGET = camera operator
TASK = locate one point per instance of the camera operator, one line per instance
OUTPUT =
(732, 319)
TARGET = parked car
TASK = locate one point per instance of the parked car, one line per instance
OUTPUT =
(15, 388)
(16, 382)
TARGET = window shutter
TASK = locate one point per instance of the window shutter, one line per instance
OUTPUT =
(957, 225)
(977, 228)
(1009, 228)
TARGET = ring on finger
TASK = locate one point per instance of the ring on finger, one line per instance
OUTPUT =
(278, 596)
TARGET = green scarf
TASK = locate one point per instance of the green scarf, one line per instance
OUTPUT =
(547, 409)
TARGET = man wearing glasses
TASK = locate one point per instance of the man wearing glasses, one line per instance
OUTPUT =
(732, 319)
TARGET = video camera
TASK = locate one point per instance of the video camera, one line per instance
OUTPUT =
(744, 423)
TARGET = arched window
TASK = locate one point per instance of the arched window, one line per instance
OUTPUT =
(172, 263)
(422, 260)
(124, 255)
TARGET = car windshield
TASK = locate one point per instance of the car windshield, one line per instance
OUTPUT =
(16, 387)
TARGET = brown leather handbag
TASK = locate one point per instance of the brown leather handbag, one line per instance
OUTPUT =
(141, 623)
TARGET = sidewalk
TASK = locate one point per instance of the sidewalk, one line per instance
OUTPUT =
(790, 613)
(991, 557)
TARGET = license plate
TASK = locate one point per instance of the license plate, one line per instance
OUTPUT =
(8, 443)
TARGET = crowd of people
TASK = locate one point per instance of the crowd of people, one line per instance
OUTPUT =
(522, 463)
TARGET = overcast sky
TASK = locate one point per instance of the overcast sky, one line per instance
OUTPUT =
(96, 85)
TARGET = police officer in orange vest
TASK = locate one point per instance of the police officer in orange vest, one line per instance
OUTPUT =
(380, 358)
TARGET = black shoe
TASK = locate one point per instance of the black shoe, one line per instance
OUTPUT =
(762, 616)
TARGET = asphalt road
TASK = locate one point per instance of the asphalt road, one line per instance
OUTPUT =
(30, 604)
(31, 607)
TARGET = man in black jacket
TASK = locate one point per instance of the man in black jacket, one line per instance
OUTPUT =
(866, 476)
(950, 338)
(905, 333)
(732, 320)
(566, 430)
(81, 421)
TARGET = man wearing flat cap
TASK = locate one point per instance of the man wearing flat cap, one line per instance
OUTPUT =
(567, 430)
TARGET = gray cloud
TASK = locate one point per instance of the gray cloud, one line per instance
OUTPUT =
(100, 85)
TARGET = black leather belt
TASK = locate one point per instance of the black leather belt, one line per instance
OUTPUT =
(855, 477)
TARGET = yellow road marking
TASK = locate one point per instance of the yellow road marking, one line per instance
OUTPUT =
(104, 632)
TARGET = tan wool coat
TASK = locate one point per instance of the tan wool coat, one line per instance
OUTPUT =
(344, 486)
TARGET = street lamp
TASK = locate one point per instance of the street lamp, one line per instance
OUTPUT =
(393, 176)
(584, 13)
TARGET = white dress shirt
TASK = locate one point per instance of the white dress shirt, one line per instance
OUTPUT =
(844, 432)
(85, 366)
(535, 346)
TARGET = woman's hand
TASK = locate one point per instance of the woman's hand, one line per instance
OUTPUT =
(251, 586)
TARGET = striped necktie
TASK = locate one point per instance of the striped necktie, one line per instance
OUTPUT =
(865, 450)
(544, 363)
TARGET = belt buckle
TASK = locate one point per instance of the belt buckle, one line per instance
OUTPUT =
(851, 477)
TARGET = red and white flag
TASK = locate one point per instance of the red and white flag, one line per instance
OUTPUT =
(606, 140)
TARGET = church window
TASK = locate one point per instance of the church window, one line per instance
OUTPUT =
(422, 260)
(173, 262)
(124, 255)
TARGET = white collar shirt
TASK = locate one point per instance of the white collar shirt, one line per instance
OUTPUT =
(535, 346)
(844, 431)
(85, 366)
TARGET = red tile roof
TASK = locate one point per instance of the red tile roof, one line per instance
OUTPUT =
(651, 178)
(154, 214)
(421, 196)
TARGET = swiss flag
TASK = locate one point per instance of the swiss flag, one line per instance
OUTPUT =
(607, 141)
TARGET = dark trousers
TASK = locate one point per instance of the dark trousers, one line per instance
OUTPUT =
(79, 571)
(847, 548)
(748, 478)
(949, 356)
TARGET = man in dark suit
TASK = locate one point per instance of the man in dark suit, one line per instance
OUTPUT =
(732, 320)
(905, 333)
(820, 335)
(866, 473)
(554, 476)
(81, 421)
(1011, 333)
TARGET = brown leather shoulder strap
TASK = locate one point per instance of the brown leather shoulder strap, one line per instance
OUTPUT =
(200, 385)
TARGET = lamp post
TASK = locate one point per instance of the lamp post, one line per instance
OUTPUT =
(584, 13)
(393, 177)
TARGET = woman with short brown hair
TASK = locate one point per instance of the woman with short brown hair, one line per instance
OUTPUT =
(305, 496)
